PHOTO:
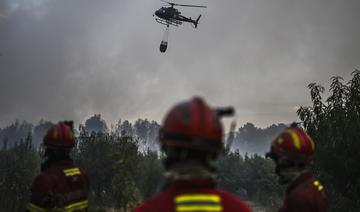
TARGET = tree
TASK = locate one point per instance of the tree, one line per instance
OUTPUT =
(96, 124)
(335, 127)
(19, 165)
(252, 178)
(149, 174)
(15, 132)
(40, 130)
(94, 154)
(111, 162)
(253, 140)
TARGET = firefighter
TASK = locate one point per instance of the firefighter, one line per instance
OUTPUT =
(292, 153)
(191, 138)
(61, 186)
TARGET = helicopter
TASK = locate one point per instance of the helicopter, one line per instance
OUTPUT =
(171, 16)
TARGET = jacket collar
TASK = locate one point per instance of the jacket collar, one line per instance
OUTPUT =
(304, 177)
(192, 183)
(53, 164)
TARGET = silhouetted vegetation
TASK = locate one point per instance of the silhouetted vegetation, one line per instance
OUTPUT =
(125, 167)
(19, 164)
(253, 140)
(123, 172)
(334, 124)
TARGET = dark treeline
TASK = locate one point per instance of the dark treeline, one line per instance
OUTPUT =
(253, 140)
(121, 175)
(18, 166)
(125, 167)
(247, 139)
(334, 124)
(144, 130)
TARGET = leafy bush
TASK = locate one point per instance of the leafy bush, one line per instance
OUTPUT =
(335, 127)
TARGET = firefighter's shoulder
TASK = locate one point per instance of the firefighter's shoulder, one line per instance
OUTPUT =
(220, 201)
(232, 202)
(161, 202)
(306, 197)
(43, 183)
(40, 189)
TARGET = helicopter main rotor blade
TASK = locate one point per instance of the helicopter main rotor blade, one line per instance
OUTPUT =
(172, 4)
(189, 5)
(183, 5)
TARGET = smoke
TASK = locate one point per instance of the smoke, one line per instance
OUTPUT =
(71, 59)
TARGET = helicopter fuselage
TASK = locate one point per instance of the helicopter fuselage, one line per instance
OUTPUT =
(172, 15)
(167, 13)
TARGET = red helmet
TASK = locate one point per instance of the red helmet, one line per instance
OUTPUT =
(293, 145)
(192, 125)
(59, 136)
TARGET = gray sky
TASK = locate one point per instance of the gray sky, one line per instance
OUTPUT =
(69, 59)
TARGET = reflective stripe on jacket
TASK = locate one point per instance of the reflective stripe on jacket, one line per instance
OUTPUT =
(305, 194)
(193, 195)
(62, 187)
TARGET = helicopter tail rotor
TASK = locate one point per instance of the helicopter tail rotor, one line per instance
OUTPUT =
(197, 21)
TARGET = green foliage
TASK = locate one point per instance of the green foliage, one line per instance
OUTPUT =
(149, 174)
(18, 167)
(126, 161)
(252, 178)
(335, 127)
(94, 154)
(120, 175)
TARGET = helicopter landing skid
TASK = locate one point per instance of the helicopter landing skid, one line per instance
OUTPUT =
(167, 23)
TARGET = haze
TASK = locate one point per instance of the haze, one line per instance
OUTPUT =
(70, 59)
